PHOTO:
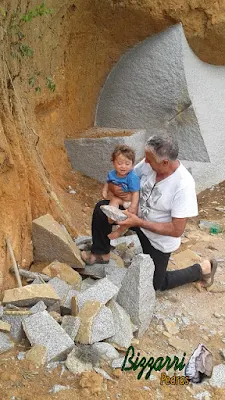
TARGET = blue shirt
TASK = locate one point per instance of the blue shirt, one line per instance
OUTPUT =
(129, 183)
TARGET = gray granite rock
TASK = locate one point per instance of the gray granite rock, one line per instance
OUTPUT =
(76, 362)
(115, 275)
(5, 343)
(83, 240)
(130, 241)
(105, 351)
(61, 287)
(38, 307)
(17, 333)
(103, 290)
(41, 328)
(66, 305)
(86, 283)
(99, 149)
(114, 213)
(123, 327)
(52, 242)
(218, 376)
(71, 325)
(137, 295)
(102, 326)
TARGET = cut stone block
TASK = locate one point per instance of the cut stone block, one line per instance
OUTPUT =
(37, 354)
(137, 295)
(115, 275)
(86, 283)
(29, 295)
(42, 329)
(98, 270)
(71, 325)
(83, 240)
(38, 307)
(105, 350)
(103, 290)
(5, 343)
(16, 331)
(114, 213)
(66, 304)
(96, 323)
(52, 242)
(99, 149)
(75, 362)
(64, 272)
(123, 327)
(1, 311)
(61, 288)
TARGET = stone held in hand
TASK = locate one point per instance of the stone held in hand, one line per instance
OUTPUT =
(114, 213)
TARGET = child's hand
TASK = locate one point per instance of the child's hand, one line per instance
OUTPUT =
(133, 209)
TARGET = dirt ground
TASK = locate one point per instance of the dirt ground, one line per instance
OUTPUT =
(21, 380)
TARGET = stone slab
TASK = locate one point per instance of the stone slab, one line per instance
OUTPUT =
(38, 307)
(114, 213)
(75, 362)
(64, 272)
(52, 242)
(29, 295)
(5, 343)
(70, 325)
(103, 290)
(42, 329)
(137, 295)
(17, 333)
(123, 327)
(61, 288)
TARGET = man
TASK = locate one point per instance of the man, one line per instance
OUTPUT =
(167, 199)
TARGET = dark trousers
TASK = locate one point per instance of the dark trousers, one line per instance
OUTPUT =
(163, 279)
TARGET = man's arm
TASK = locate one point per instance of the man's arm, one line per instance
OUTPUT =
(174, 228)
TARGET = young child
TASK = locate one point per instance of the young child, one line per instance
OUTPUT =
(123, 158)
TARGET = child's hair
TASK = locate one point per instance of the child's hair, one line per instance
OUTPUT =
(125, 150)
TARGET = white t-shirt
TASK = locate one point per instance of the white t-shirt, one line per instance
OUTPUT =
(174, 196)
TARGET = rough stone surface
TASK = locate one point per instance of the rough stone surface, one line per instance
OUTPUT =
(130, 241)
(71, 325)
(29, 295)
(38, 307)
(37, 354)
(52, 242)
(75, 362)
(42, 329)
(64, 272)
(115, 275)
(5, 343)
(66, 305)
(96, 323)
(151, 106)
(83, 240)
(103, 290)
(105, 351)
(86, 283)
(114, 213)
(123, 328)
(61, 287)
(218, 376)
(99, 151)
(137, 295)
(17, 333)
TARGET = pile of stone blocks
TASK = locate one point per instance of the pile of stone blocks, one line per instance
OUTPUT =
(82, 319)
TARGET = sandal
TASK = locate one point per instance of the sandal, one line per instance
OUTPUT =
(87, 259)
(211, 275)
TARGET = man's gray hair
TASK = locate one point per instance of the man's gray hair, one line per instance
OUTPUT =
(164, 147)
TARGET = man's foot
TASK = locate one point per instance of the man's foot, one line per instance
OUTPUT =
(90, 258)
(209, 268)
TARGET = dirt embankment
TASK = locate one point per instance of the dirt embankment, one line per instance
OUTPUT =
(77, 45)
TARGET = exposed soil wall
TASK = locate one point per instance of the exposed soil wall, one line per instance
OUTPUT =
(77, 45)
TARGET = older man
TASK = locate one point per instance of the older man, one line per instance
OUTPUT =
(167, 199)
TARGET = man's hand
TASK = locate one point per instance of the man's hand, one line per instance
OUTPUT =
(132, 220)
(118, 192)
(133, 209)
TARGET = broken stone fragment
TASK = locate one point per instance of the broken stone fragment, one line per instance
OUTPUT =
(42, 329)
(171, 326)
(76, 363)
(137, 294)
(92, 381)
(5, 343)
(61, 288)
(15, 320)
(105, 351)
(114, 213)
(52, 242)
(71, 325)
(5, 326)
(38, 307)
(123, 328)
(96, 323)
(30, 294)
(37, 354)
(102, 291)
(130, 241)
(64, 272)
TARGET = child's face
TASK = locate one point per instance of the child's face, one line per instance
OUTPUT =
(122, 165)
